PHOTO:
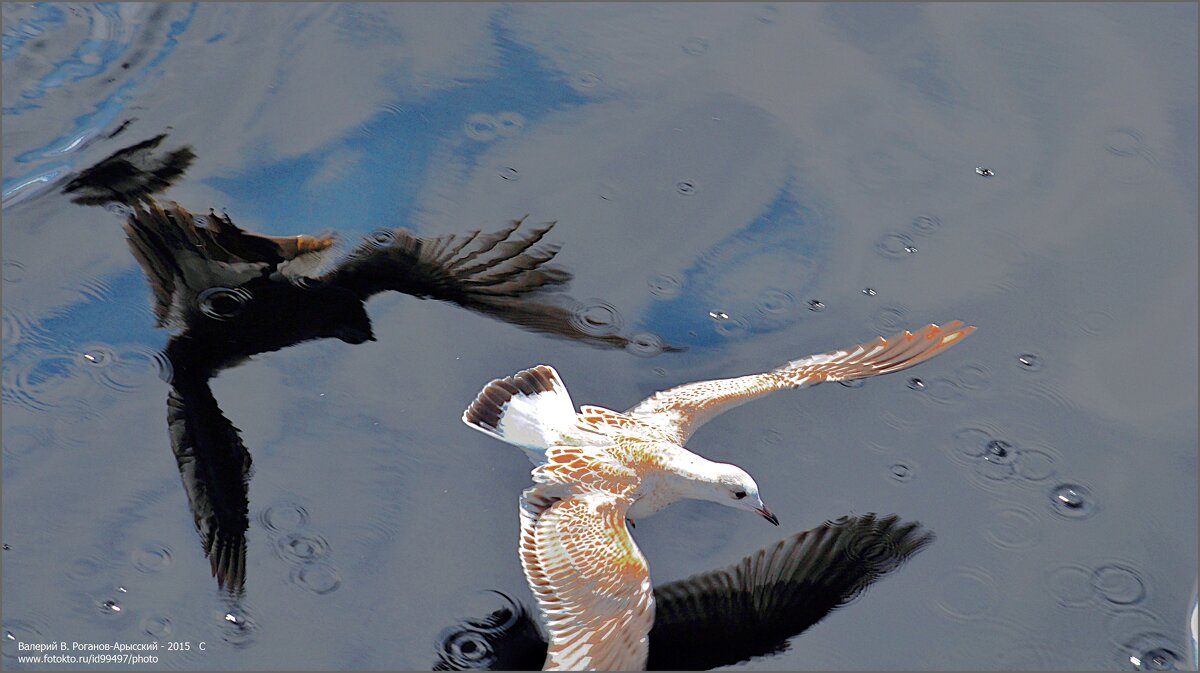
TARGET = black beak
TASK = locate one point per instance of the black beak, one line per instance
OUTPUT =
(766, 514)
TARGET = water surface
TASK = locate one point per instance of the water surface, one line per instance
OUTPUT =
(745, 161)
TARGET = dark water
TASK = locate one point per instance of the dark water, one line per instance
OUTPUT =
(714, 170)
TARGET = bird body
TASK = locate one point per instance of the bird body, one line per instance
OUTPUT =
(596, 469)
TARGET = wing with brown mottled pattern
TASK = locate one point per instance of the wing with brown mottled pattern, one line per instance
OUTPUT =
(591, 581)
(682, 409)
(592, 468)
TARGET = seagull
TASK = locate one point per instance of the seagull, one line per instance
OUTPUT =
(597, 469)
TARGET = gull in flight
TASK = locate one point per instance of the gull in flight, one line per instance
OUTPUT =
(596, 469)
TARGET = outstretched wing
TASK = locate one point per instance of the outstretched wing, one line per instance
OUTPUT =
(130, 174)
(504, 274)
(753, 607)
(590, 579)
(460, 268)
(680, 410)
(214, 466)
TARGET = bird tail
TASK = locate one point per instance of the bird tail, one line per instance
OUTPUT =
(530, 409)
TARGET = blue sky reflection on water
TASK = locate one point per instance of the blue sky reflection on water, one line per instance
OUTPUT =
(396, 146)
(709, 159)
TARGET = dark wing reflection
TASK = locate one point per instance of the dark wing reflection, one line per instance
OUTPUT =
(215, 468)
(507, 639)
(726, 616)
(753, 607)
(228, 294)
(130, 174)
(504, 274)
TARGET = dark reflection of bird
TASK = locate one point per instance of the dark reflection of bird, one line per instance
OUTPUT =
(215, 468)
(721, 617)
(228, 294)
(130, 173)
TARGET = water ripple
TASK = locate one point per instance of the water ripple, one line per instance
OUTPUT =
(1150, 651)
(1071, 585)
(889, 319)
(284, 517)
(301, 548)
(1119, 584)
(42, 384)
(127, 370)
(597, 318)
(20, 631)
(157, 626)
(1013, 528)
(152, 557)
(318, 578)
(471, 643)
(645, 344)
(967, 594)
(665, 286)
(102, 48)
(238, 627)
(1072, 501)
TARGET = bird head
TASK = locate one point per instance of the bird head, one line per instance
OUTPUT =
(734, 487)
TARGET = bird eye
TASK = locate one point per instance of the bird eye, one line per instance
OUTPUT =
(738, 495)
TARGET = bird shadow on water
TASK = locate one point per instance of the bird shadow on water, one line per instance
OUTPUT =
(227, 294)
(725, 616)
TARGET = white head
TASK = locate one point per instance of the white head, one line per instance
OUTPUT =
(730, 485)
